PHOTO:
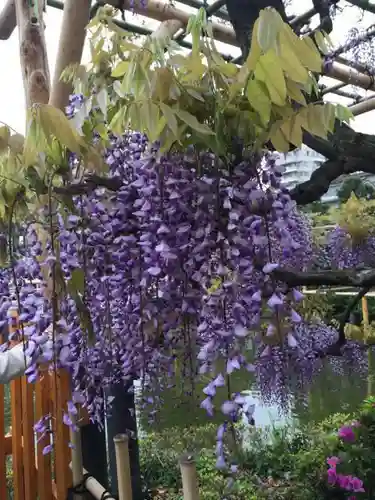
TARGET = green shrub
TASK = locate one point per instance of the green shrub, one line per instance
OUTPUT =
(280, 464)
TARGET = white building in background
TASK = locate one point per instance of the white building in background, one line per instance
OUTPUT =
(300, 164)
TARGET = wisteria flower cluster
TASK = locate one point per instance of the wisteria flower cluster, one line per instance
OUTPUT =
(344, 253)
(177, 263)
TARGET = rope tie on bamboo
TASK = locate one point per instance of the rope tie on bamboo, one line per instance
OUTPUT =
(79, 489)
(371, 76)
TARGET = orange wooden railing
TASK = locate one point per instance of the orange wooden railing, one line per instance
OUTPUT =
(36, 476)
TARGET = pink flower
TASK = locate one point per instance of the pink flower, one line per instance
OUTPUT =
(346, 433)
(332, 477)
(344, 482)
(333, 461)
(356, 485)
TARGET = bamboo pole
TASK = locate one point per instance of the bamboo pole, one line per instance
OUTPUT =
(333, 88)
(349, 75)
(189, 478)
(77, 460)
(123, 467)
(167, 29)
(95, 488)
(363, 107)
(76, 16)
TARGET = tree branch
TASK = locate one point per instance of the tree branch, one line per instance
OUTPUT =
(356, 278)
(364, 4)
(90, 183)
(348, 152)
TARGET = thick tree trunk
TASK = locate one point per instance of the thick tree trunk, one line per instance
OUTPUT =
(33, 53)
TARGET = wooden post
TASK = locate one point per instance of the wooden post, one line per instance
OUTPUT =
(123, 467)
(33, 52)
(366, 324)
(189, 478)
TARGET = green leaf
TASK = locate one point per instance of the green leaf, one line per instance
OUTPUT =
(16, 143)
(278, 140)
(117, 87)
(116, 124)
(120, 69)
(269, 71)
(321, 42)
(170, 117)
(34, 143)
(55, 123)
(85, 319)
(343, 113)
(193, 123)
(4, 138)
(102, 100)
(268, 30)
(259, 100)
(290, 62)
(76, 283)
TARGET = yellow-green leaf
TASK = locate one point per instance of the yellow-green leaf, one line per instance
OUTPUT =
(314, 120)
(120, 69)
(292, 130)
(194, 94)
(321, 42)
(102, 100)
(192, 122)
(278, 140)
(269, 71)
(54, 123)
(290, 62)
(16, 143)
(117, 123)
(170, 117)
(294, 92)
(330, 115)
(255, 50)
(4, 137)
(35, 142)
(305, 49)
(343, 113)
(268, 29)
(259, 100)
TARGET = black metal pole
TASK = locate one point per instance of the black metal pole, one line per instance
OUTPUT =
(94, 453)
(121, 419)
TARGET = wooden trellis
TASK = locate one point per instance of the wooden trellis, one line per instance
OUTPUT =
(347, 72)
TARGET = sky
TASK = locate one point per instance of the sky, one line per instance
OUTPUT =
(12, 104)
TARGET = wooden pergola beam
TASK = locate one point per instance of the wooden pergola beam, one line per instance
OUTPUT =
(7, 20)
(76, 16)
(158, 11)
